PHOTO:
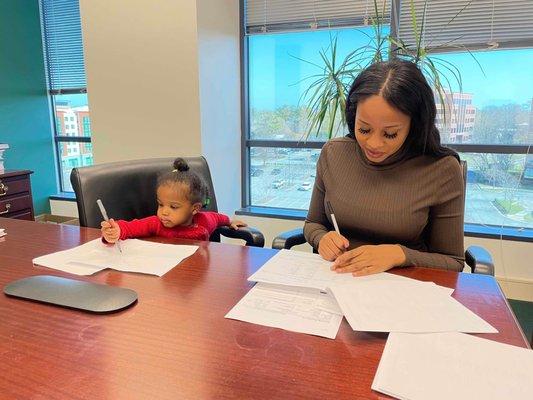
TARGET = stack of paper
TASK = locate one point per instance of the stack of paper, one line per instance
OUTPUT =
(378, 303)
(453, 366)
(136, 256)
(382, 305)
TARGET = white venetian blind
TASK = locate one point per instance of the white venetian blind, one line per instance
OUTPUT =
(480, 24)
(286, 15)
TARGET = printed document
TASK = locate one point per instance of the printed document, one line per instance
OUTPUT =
(294, 309)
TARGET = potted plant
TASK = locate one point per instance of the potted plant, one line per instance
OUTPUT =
(326, 94)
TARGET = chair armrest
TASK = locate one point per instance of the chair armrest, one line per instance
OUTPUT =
(252, 236)
(288, 239)
(479, 260)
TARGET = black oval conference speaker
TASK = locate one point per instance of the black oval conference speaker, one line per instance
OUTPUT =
(86, 296)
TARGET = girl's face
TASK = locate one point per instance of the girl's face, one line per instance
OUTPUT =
(380, 129)
(173, 207)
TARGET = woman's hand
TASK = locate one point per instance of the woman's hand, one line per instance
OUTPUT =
(110, 231)
(369, 259)
(236, 224)
(332, 245)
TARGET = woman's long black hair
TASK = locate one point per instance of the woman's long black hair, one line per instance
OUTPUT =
(404, 87)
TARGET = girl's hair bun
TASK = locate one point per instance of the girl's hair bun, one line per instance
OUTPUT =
(181, 165)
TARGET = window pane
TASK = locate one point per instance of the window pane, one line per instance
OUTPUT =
(73, 154)
(499, 189)
(72, 115)
(282, 177)
(278, 77)
(495, 106)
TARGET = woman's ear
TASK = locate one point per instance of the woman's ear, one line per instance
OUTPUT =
(196, 207)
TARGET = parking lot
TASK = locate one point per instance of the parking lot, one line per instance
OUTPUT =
(285, 180)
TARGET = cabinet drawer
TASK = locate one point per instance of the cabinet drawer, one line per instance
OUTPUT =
(21, 215)
(14, 204)
(14, 185)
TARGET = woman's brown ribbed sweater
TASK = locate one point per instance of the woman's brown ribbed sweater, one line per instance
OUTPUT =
(416, 202)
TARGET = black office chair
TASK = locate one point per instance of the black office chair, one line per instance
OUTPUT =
(128, 191)
(476, 257)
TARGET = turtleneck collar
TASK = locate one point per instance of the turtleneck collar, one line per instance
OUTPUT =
(392, 161)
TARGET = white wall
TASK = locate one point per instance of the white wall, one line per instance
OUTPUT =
(142, 78)
(163, 80)
(218, 59)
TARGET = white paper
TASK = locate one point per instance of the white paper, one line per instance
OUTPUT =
(295, 309)
(453, 366)
(403, 306)
(137, 256)
(300, 269)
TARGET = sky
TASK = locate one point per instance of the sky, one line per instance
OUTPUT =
(275, 74)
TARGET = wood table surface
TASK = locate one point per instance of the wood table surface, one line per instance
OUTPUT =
(175, 342)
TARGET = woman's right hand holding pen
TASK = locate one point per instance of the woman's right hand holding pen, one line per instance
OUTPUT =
(332, 245)
(110, 231)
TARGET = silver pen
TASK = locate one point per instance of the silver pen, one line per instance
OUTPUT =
(106, 218)
(333, 219)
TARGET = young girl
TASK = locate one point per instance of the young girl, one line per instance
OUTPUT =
(180, 196)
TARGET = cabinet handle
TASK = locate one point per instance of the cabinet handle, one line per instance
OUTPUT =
(8, 206)
(3, 189)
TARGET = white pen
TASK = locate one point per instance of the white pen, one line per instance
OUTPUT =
(333, 219)
(106, 218)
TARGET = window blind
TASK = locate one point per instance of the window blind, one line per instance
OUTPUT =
(264, 16)
(480, 24)
(63, 44)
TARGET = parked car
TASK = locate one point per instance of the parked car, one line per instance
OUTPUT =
(256, 172)
(278, 183)
(305, 186)
(275, 171)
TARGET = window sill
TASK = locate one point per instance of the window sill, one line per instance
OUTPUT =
(65, 196)
(471, 230)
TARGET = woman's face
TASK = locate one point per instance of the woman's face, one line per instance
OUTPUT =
(380, 129)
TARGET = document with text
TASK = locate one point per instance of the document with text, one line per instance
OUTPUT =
(294, 309)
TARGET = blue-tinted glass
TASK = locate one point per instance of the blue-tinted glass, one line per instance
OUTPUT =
(281, 69)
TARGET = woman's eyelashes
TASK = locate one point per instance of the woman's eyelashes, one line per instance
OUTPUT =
(386, 134)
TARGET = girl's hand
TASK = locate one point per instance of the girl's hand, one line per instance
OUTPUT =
(370, 259)
(236, 224)
(110, 231)
(332, 245)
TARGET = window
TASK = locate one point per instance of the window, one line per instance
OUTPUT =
(60, 20)
(491, 123)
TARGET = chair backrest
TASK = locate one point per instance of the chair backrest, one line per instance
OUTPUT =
(128, 188)
(465, 169)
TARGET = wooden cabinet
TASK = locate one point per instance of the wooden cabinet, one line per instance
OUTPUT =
(15, 195)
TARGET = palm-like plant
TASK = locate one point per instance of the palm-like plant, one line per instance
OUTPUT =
(326, 95)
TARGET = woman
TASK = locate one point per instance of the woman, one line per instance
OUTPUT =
(397, 194)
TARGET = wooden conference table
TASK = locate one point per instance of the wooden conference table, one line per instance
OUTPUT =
(175, 342)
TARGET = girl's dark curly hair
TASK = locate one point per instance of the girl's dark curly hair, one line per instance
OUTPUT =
(181, 174)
